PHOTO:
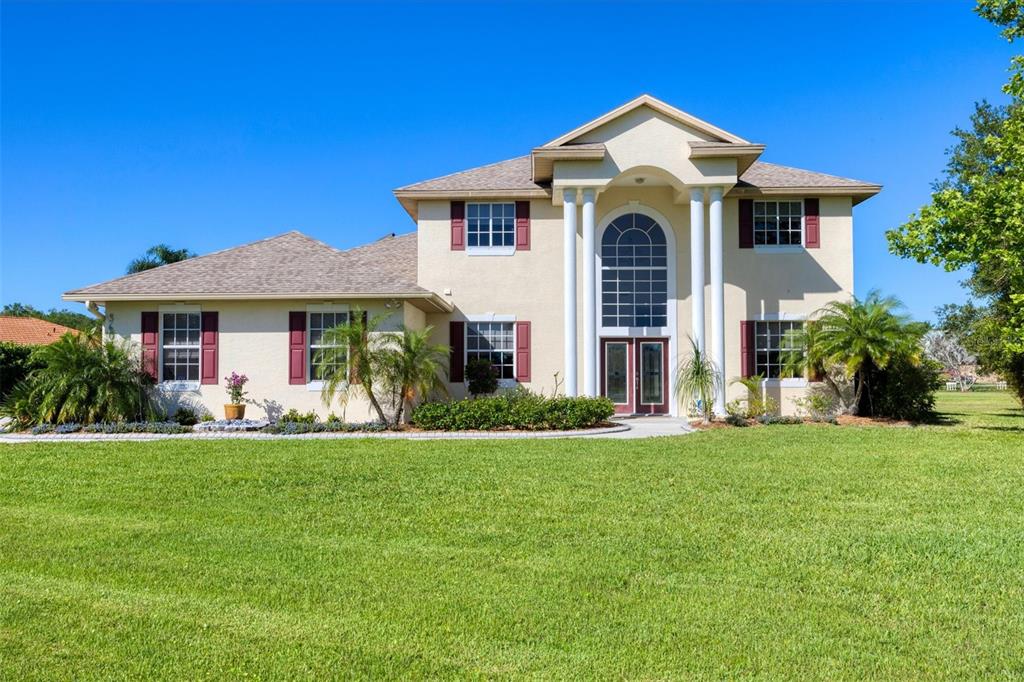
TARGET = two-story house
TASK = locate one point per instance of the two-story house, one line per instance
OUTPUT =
(595, 259)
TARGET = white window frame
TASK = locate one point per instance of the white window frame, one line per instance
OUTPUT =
(491, 317)
(177, 386)
(782, 248)
(312, 385)
(491, 250)
(782, 382)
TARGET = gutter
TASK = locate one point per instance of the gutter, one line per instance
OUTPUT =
(94, 309)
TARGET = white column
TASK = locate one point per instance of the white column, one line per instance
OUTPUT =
(697, 265)
(717, 295)
(569, 288)
(589, 297)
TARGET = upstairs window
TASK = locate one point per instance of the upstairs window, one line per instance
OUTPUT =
(493, 342)
(325, 355)
(770, 344)
(778, 223)
(490, 226)
(180, 346)
(634, 273)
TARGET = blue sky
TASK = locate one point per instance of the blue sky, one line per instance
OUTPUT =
(210, 125)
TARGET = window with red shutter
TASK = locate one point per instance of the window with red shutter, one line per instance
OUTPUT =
(297, 347)
(457, 355)
(812, 224)
(458, 225)
(208, 348)
(522, 351)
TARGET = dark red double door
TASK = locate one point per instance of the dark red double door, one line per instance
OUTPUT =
(634, 374)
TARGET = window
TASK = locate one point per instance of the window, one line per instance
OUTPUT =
(634, 273)
(491, 225)
(325, 357)
(180, 346)
(770, 342)
(778, 223)
(493, 342)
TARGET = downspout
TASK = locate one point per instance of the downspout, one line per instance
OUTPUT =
(94, 309)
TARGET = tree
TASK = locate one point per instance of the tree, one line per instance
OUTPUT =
(975, 219)
(945, 349)
(413, 368)
(698, 379)
(68, 318)
(158, 255)
(859, 337)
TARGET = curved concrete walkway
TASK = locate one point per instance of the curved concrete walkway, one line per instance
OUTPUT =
(636, 427)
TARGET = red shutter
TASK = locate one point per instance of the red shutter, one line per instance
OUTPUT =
(747, 348)
(812, 224)
(458, 225)
(297, 347)
(457, 355)
(150, 343)
(208, 345)
(746, 223)
(522, 351)
(522, 225)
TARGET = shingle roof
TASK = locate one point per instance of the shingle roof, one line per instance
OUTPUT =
(517, 175)
(513, 174)
(31, 331)
(763, 174)
(289, 264)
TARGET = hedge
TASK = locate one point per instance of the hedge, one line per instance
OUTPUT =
(519, 410)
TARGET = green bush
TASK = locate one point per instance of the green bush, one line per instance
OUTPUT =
(517, 409)
(186, 416)
(16, 362)
(293, 416)
(481, 377)
(905, 390)
(330, 426)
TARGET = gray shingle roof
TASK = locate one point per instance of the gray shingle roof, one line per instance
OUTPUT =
(517, 174)
(291, 263)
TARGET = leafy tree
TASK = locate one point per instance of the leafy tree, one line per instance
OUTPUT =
(81, 381)
(944, 348)
(158, 255)
(481, 377)
(858, 336)
(976, 217)
(68, 318)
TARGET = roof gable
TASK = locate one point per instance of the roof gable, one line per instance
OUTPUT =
(667, 110)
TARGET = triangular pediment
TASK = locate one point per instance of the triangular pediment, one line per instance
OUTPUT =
(703, 129)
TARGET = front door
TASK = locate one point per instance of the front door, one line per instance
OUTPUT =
(634, 375)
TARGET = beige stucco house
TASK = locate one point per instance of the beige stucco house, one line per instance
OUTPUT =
(585, 266)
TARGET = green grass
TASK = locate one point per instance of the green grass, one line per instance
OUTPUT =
(784, 551)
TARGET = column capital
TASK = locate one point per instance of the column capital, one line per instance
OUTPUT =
(697, 194)
(589, 193)
(569, 194)
(715, 193)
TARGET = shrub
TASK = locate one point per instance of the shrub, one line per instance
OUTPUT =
(481, 377)
(517, 409)
(207, 417)
(16, 362)
(905, 390)
(294, 428)
(81, 380)
(819, 406)
(735, 419)
(136, 427)
(186, 416)
(771, 419)
(756, 404)
(295, 417)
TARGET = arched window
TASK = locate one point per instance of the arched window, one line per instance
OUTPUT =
(634, 273)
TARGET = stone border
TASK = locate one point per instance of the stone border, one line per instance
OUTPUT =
(349, 435)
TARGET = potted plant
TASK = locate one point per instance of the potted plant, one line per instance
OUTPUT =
(234, 385)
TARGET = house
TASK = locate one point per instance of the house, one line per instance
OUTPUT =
(31, 331)
(574, 266)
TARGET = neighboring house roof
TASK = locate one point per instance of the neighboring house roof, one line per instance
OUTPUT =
(291, 265)
(31, 331)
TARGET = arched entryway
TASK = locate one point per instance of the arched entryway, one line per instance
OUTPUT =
(637, 310)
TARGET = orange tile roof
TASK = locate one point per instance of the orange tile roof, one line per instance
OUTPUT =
(31, 331)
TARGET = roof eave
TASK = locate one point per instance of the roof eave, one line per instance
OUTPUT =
(426, 298)
(408, 198)
(858, 192)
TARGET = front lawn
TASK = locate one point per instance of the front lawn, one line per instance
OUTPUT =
(798, 551)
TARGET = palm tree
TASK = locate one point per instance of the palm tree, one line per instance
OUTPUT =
(158, 255)
(414, 369)
(82, 380)
(698, 379)
(356, 357)
(859, 336)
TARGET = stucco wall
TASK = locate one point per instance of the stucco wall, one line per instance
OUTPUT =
(759, 284)
(253, 340)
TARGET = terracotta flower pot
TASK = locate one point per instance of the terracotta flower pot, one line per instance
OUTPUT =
(234, 411)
